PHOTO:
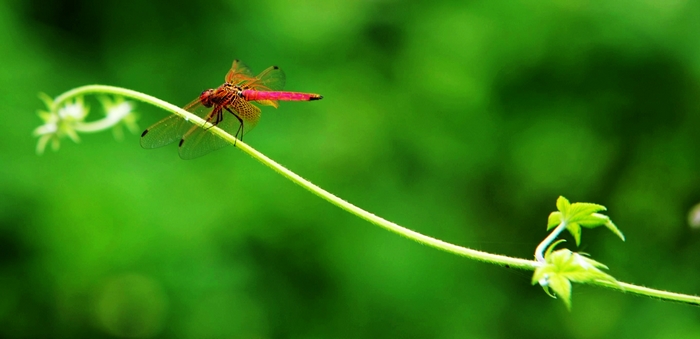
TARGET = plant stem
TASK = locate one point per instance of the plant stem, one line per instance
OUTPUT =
(390, 226)
(650, 292)
(539, 251)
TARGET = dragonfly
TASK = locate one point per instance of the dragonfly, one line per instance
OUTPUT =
(230, 107)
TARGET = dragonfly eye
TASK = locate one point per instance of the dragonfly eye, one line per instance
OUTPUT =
(205, 98)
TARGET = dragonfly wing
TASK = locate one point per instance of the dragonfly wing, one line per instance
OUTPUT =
(249, 113)
(163, 132)
(198, 141)
(172, 128)
(239, 72)
(271, 79)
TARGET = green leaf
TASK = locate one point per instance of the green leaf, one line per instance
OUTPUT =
(554, 220)
(583, 209)
(563, 205)
(611, 226)
(575, 229)
(563, 267)
(562, 288)
(552, 246)
(580, 214)
(593, 220)
(549, 292)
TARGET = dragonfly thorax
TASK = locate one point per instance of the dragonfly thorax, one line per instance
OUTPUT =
(231, 88)
(221, 95)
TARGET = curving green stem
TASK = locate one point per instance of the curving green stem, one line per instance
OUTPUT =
(539, 251)
(381, 222)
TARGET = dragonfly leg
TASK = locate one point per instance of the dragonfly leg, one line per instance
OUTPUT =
(240, 127)
(217, 118)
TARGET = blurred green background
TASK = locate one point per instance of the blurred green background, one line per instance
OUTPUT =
(463, 120)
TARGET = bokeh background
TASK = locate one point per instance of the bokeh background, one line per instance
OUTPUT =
(463, 120)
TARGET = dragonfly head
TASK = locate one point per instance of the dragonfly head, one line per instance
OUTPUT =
(206, 98)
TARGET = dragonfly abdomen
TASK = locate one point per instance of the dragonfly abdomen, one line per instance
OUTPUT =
(253, 95)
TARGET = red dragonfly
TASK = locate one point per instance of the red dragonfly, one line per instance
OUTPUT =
(234, 97)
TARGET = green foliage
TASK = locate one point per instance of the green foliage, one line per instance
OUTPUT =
(562, 267)
(68, 118)
(580, 214)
